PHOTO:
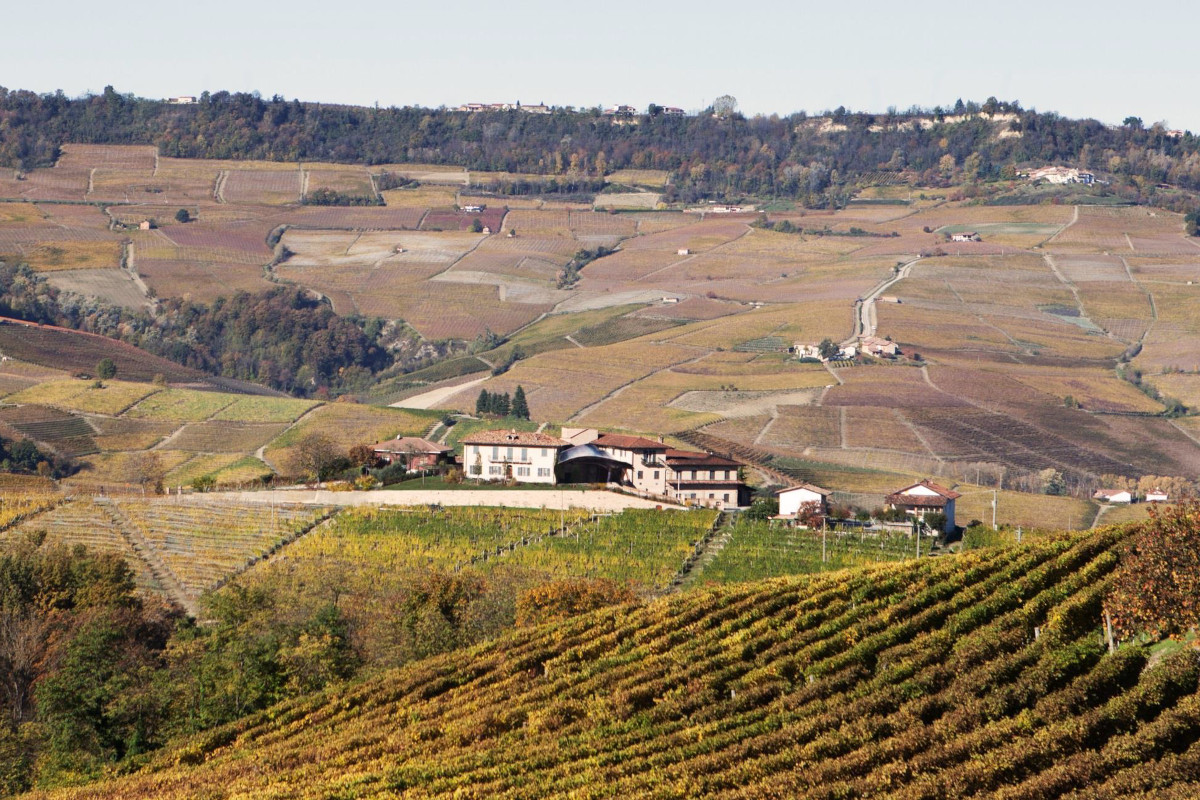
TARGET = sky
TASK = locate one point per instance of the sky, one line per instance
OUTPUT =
(1099, 59)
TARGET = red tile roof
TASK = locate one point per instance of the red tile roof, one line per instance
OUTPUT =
(689, 458)
(949, 494)
(809, 486)
(622, 442)
(519, 438)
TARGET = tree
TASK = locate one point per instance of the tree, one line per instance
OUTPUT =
(483, 403)
(725, 105)
(502, 405)
(1133, 122)
(106, 369)
(1156, 588)
(182, 215)
(827, 349)
(520, 407)
(316, 457)
(148, 471)
(476, 225)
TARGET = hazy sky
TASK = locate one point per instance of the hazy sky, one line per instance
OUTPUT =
(1099, 59)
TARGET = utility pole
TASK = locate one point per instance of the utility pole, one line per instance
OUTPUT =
(824, 530)
(994, 501)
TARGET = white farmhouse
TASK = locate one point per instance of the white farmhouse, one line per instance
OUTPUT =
(521, 456)
(1113, 496)
(795, 498)
(924, 498)
(1157, 496)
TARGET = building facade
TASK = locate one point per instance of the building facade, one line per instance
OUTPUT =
(924, 499)
(520, 456)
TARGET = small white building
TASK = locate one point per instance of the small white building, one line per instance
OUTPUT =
(965, 236)
(521, 456)
(925, 498)
(182, 100)
(1157, 496)
(795, 498)
(1113, 496)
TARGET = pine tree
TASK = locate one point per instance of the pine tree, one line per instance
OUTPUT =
(483, 403)
(503, 404)
(520, 407)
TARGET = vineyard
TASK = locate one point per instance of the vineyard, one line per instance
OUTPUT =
(979, 675)
(757, 550)
(642, 548)
(204, 543)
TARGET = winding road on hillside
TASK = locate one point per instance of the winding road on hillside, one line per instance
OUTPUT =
(864, 316)
(434, 396)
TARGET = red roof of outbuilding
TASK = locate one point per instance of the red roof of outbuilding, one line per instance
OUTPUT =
(623, 442)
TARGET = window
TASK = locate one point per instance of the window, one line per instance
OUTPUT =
(655, 474)
(508, 453)
(522, 472)
(726, 498)
(711, 495)
(524, 454)
(495, 452)
(477, 469)
(639, 474)
(544, 452)
(543, 472)
(495, 469)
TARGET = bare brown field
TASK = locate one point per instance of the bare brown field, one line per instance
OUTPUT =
(887, 387)
(113, 286)
(110, 156)
(52, 256)
(656, 178)
(354, 217)
(881, 429)
(693, 308)
(421, 197)
(799, 427)
(349, 180)
(266, 187)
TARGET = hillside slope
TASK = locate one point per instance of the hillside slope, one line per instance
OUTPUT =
(959, 676)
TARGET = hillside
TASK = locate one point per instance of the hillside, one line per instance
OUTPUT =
(984, 674)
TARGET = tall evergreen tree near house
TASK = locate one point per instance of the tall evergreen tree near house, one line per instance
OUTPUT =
(503, 405)
(520, 406)
(483, 403)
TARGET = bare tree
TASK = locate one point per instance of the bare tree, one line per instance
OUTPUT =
(724, 105)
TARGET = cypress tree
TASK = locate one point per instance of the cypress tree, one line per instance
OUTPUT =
(483, 403)
(520, 407)
(503, 404)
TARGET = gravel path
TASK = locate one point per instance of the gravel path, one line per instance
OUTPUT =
(432, 398)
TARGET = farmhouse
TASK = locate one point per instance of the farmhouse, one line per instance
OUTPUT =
(874, 346)
(705, 479)
(965, 236)
(414, 453)
(620, 111)
(672, 111)
(924, 498)
(1157, 496)
(653, 468)
(1113, 496)
(512, 455)
(803, 498)
(182, 100)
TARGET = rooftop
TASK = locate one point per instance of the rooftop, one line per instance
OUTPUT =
(622, 442)
(510, 437)
(409, 444)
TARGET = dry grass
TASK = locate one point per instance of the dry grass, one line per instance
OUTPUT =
(654, 178)
(51, 256)
(1026, 510)
(348, 424)
(79, 395)
(422, 197)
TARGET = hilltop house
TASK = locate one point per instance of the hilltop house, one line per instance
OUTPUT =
(416, 454)
(521, 456)
(966, 236)
(1113, 496)
(804, 496)
(673, 111)
(1062, 175)
(925, 498)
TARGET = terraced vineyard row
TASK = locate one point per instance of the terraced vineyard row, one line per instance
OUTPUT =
(204, 543)
(977, 675)
(642, 547)
(757, 550)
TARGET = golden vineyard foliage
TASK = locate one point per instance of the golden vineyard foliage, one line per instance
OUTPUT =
(1157, 589)
(980, 675)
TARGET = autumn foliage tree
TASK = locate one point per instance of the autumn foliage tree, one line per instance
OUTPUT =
(1156, 590)
(558, 600)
